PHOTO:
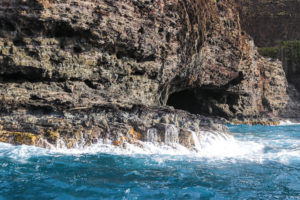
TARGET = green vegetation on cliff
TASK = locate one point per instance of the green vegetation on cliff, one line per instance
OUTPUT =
(286, 51)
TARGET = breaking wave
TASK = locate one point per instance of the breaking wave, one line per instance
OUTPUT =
(257, 162)
(254, 147)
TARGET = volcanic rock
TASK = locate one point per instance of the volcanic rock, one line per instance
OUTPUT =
(74, 70)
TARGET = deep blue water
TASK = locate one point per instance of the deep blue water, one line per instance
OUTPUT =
(261, 163)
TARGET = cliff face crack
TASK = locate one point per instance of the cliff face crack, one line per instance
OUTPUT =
(90, 84)
(22, 74)
(235, 81)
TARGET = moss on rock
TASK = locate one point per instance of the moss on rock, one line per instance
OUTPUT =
(19, 137)
(286, 51)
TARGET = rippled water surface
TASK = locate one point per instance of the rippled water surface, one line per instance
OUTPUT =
(260, 163)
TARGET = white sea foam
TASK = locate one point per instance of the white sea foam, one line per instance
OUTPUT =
(21, 153)
(208, 145)
(224, 146)
(288, 123)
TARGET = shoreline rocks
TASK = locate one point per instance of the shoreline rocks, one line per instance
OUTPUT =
(118, 125)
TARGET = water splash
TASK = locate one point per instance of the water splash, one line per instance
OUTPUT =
(208, 145)
(152, 135)
(268, 157)
(196, 141)
(220, 145)
(288, 123)
(171, 134)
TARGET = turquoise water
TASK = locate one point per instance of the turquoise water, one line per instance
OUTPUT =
(260, 163)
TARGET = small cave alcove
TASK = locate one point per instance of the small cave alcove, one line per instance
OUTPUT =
(206, 102)
(184, 100)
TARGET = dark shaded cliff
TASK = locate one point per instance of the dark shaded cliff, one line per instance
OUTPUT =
(108, 69)
(275, 27)
(269, 21)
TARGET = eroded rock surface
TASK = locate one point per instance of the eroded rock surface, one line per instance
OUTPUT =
(275, 27)
(110, 68)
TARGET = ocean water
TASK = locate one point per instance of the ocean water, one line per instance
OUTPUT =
(259, 162)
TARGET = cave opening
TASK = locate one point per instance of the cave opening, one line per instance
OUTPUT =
(207, 102)
(184, 100)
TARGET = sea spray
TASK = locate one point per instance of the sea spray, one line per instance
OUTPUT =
(61, 144)
(196, 141)
(210, 145)
(288, 123)
(152, 135)
(171, 134)
(205, 144)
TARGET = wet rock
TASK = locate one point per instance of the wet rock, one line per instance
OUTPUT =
(107, 124)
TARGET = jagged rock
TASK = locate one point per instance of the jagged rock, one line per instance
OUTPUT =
(77, 69)
(103, 123)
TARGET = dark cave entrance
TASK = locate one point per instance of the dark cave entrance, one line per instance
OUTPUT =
(208, 102)
(184, 100)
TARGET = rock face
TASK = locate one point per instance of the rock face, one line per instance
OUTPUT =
(275, 27)
(269, 22)
(109, 69)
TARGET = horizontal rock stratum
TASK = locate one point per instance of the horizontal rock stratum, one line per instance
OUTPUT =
(77, 70)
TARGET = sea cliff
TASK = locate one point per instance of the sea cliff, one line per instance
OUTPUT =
(78, 71)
